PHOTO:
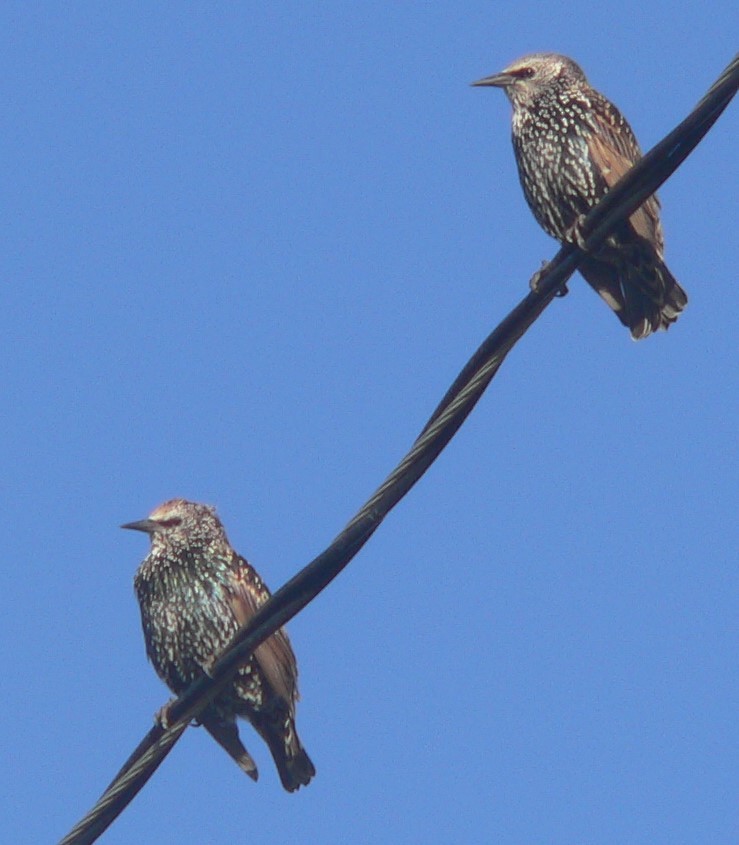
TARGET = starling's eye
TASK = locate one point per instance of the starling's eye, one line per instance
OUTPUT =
(525, 73)
(170, 523)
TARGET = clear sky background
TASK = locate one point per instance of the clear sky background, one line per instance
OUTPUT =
(245, 249)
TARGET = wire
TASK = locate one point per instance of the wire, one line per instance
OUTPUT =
(625, 197)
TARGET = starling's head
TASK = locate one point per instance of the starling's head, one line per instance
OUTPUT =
(180, 523)
(526, 79)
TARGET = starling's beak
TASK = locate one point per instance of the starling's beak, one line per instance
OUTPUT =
(147, 525)
(497, 80)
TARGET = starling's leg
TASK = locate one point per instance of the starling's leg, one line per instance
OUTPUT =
(161, 717)
(163, 714)
(536, 278)
(574, 234)
(208, 666)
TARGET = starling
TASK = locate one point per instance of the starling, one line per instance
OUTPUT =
(195, 592)
(572, 145)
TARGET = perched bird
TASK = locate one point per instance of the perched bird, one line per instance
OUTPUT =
(195, 592)
(572, 145)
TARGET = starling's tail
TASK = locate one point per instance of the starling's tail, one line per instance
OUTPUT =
(295, 771)
(293, 763)
(226, 734)
(674, 298)
(639, 288)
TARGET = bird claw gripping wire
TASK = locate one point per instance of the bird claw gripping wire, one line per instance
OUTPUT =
(536, 278)
(161, 717)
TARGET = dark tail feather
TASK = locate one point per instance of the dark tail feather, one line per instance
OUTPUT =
(674, 297)
(294, 766)
(295, 771)
(226, 734)
(645, 296)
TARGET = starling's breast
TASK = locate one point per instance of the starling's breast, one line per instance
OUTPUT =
(187, 621)
(554, 164)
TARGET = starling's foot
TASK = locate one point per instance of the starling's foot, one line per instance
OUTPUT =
(536, 278)
(161, 717)
(574, 233)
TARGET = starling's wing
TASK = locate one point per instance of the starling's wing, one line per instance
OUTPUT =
(275, 656)
(614, 150)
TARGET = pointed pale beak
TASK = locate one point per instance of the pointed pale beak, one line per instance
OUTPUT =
(497, 80)
(146, 525)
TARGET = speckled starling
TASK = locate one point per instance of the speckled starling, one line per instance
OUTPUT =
(195, 592)
(572, 145)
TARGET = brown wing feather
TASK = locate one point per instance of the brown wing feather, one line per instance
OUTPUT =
(275, 656)
(614, 152)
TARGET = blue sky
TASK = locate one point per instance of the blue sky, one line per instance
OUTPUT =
(246, 248)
